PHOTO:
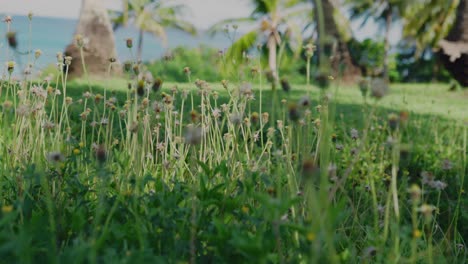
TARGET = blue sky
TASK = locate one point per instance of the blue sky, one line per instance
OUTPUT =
(203, 13)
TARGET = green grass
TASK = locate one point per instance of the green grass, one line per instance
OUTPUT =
(421, 99)
(336, 181)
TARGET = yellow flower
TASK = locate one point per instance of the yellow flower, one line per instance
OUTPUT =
(417, 233)
(245, 209)
(7, 209)
(310, 236)
(81, 144)
(76, 151)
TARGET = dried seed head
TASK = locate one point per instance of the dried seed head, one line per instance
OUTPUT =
(79, 41)
(59, 57)
(304, 101)
(364, 86)
(10, 66)
(225, 83)
(136, 69)
(426, 209)
(134, 127)
(415, 193)
(141, 88)
(12, 42)
(393, 121)
(68, 60)
(293, 112)
(254, 118)
(127, 66)
(309, 168)
(354, 134)
(157, 84)
(265, 117)
(270, 76)
(309, 49)
(55, 157)
(370, 252)
(285, 85)
(245, 89)
(7, 19)
(37, 53)
(193, 135)
(129, 42)
(379, 88)
(101, 154)
(97, 98)
(235, 119)
(194, 116)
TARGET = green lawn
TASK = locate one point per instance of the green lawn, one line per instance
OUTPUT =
(420, 99)
(176, 178)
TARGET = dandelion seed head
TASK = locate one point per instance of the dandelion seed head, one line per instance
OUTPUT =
(55, 157)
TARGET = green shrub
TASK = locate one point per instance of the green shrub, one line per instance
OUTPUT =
(203, 63)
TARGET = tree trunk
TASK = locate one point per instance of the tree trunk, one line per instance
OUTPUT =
(272, 55)
(454, 48)
(99, 46)
(388, 24)
(341, 62)
(140, 44)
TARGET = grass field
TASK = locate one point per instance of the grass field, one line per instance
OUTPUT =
(206, 174)
(431, 99)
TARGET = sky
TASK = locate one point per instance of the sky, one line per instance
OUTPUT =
(203, 13)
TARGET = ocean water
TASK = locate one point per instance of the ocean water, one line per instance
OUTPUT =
(52, 35)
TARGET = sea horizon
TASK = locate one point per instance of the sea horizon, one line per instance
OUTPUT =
(51, 35)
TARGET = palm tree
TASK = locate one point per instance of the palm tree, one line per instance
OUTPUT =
(385, 12)
(337, 32)
(443, 25)
(275, 17)
(454, 48)
(427, 22)
(152, 16)
(95, 27)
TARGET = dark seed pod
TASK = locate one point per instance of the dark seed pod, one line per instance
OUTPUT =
(285, 85)
(141, 88)
(294, 114)
(129, 43)
(12, 42)
(157, 85)
(101, 154)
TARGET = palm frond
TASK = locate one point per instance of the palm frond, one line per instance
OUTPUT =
(218, 27)
(241, 45)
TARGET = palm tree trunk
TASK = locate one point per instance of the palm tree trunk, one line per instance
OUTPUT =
(454, 48)
(388, 24)
(272, 55)
(342, 63)
(94, 25)
(140, 44)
